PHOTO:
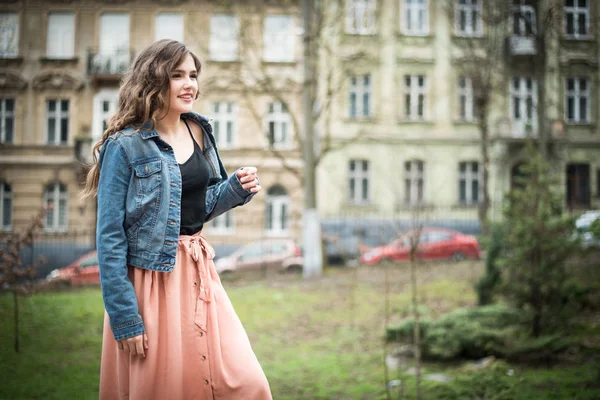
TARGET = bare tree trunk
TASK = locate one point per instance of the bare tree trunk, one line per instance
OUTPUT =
(16, 307)
(313, 261)
(417, 328)
(484, 204)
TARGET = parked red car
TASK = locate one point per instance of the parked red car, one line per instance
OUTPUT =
(434, 244)
(82, 271)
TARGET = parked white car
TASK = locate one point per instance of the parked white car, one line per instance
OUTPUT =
(583, 224)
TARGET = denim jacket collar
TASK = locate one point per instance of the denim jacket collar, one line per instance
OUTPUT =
(147, 132)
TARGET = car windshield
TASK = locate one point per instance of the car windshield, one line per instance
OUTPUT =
(89, 261)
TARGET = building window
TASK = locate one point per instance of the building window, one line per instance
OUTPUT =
(468, 21)
(467, 110)
(523, 20)
(360, 17)
(105, 106)
(360, 96)
(113, 56)
(415, 87)
(468, 182)
(416, 17)
(414, 182)
(7, 120)
(523, 99)
(223, 224)
(278, 45)
(5, 206)
(224, 124)
(224, 37)
(55, 200)
(60, 40)
(169, 26)
(358, 182)
(278, 124)
(9, 35)
(577, 108)
(577, 19)
(277, 211)
(578, 185)
(57, 121)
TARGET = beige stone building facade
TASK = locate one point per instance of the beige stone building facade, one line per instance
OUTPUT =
(399, 110)
(407, 119)
(60, 65)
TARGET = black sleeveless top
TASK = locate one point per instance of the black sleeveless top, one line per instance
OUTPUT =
(194, 181)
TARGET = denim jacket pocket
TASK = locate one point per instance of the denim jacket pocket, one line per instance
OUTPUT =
(148, 176)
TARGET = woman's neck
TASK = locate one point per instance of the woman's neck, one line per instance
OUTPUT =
(169, 126)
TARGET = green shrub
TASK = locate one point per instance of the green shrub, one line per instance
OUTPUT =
(497, 330)
(487, 284)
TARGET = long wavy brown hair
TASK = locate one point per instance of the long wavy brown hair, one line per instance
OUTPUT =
(144, 96)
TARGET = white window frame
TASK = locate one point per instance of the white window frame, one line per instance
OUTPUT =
(360, 17)
(469, 176)
(412, 11)
(524, 96)
(114, 55)
(279, 45)
(412, 177)
(279, 206)
(224, 123)
(576, 11)
(224, 37)
(100, 116)
(53, 192)
(359, 179)
(577, 95)
(58, 116)
(63, 45)
(520, 11)
(466, 95)
(6, 197)
(9, 30)
(174, 28)
(224, 224)
(360, 87)
(471, 9)
(415, 95)
(5, 115)
(278, 115)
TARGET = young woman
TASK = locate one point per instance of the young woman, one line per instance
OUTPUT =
(170, 331)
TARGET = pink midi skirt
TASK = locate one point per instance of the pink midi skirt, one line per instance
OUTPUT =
(197, 346)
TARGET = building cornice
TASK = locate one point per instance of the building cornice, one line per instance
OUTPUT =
(9, 80)
(52, 80)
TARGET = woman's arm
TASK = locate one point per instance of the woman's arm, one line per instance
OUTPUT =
(230, 193)
(117, 290)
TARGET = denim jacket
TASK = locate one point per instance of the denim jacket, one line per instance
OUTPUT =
(138, 217)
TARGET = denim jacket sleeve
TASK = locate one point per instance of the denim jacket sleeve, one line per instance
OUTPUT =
(118, 293)
(226, 194)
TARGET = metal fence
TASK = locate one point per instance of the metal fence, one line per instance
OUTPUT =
(344, 236)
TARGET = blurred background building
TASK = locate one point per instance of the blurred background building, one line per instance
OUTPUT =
(397, 112)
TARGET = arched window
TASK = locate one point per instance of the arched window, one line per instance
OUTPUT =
(5, 206)
(55, 200)
(277, 211)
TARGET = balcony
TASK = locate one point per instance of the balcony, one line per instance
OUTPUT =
(521, 45)
(109, 66)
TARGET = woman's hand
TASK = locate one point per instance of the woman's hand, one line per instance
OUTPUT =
(248, 179)
(136, 345)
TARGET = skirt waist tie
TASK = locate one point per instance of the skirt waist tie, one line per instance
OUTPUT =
(196, 246)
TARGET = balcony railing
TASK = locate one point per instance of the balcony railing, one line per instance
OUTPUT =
(521, 45)
(109, 63)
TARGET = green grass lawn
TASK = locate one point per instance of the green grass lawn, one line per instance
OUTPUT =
(321, 339)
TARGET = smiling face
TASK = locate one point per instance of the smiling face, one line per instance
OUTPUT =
(183, 86)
